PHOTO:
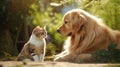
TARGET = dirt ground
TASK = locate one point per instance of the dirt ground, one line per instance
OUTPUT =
(51, 64)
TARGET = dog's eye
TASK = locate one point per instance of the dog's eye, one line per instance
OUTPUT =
(66, 22)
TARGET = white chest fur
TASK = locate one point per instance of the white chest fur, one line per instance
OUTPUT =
(37, 41)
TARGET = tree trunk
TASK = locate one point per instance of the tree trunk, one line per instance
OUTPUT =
(6, 43)
(17, 36)
(26, 31)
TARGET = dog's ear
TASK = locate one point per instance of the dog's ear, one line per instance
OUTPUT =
(78, 21)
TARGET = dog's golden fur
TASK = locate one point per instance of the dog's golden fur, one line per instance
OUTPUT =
(87, 34)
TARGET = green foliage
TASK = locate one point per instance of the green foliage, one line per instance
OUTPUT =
(112, 55)
(50, 49)
(108, 10)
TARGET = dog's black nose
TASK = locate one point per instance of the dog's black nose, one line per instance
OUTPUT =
(58, 31)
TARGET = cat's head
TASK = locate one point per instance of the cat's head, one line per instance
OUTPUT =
(40, 32)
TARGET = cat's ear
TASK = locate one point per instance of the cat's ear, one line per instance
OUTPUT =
(37, 26)
(45, 27)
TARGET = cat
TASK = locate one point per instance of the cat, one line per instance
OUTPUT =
(34, 49)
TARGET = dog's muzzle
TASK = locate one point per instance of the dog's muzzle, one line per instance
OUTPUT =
(69, 34)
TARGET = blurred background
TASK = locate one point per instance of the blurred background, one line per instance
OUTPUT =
(19, 17)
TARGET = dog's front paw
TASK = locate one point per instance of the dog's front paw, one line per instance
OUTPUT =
(65, 58)
(60, 59)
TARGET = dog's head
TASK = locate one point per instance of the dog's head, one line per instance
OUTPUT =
(39, 32)
(73, 22)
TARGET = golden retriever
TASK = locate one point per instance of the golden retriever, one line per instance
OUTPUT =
(87, 33)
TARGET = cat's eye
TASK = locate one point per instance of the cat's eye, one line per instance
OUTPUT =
(42, 33)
